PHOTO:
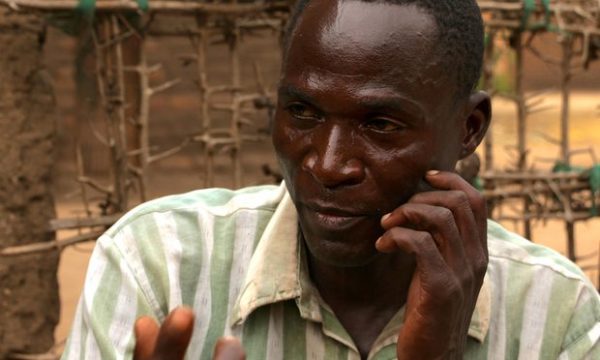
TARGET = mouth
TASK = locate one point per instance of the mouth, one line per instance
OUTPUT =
(333, 218)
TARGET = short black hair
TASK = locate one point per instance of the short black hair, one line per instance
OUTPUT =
(460, 36)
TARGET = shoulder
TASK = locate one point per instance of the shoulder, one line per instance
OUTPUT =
(213, 202)
(540, 301)
(167, 243)
(513, 250)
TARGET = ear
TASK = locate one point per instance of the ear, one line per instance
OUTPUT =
(477, 121)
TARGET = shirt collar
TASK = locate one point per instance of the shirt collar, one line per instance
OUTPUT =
(277, 273)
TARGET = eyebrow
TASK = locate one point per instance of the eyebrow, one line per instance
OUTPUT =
(292, 91)
(388, 102)
(375, 104)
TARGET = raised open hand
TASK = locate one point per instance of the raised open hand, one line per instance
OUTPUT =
(171, 340)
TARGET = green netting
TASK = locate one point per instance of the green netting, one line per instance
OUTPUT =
(560, 166)
(74, 22)
(529, 7)
(477, 183)
(594, 181)
(143, 4)
(87, 7)
(595, 186)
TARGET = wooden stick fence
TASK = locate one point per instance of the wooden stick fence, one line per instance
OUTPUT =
(543, 196)
(537, 196)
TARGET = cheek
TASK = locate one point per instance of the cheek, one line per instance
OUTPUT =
(289, 145)
(446, 150)
(399, 172)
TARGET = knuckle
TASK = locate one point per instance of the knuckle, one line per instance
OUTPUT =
(393, 233)
(445, 213)
(445, 217)
(423, 240)
(460, 199)
(412, 216)
(480, 265)
(453, 289)
(478, 201)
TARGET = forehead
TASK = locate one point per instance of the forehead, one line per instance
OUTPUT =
(368, 44)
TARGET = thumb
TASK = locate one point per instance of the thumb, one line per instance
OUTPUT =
(229, 348)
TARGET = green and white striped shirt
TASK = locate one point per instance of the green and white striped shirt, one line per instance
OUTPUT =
(234, 257)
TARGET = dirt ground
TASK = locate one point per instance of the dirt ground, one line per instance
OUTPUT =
(181, 173)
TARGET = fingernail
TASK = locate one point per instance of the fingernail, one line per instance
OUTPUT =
(385, 217)
(378, 242)
(433, 172)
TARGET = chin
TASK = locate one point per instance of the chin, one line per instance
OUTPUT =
(342, 255)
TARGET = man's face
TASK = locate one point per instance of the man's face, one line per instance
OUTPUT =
(365, 110)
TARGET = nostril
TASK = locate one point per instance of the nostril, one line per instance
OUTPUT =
(334, 173)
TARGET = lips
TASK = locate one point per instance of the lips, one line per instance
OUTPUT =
(331, 218)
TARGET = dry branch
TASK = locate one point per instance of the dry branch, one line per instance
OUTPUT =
(19, 356)
(537, 188)
(57, 245)
(577, 216)
(78, 223)
(537, 176)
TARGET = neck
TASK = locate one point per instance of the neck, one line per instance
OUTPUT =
(383, 283)
(364, 298)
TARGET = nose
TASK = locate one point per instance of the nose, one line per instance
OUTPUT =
(332, 160)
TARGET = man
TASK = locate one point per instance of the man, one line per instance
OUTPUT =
(373, 248)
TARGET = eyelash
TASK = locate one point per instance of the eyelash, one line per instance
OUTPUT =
(302, 107)
(396, 126)
(295, 110)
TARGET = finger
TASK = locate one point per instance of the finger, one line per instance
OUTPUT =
(444, 180)
(431, 266)
(229, 348)
(437, 221)
(451, 181)
(460, 206)
(175, 334)
(146, 332)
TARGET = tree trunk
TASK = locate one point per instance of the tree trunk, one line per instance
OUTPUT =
(29, 303)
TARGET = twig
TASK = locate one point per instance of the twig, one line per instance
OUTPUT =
(78, 223)
(57, 245)
(170, 152)
(95, 185)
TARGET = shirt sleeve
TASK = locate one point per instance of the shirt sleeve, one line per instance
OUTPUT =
(582, 340)
(109, 305)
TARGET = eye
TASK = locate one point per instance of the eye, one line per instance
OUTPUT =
(383, 125)
(302, 111)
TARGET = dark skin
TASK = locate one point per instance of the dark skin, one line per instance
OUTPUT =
(367, 130)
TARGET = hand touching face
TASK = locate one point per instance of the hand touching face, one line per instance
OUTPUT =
(446, 231)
